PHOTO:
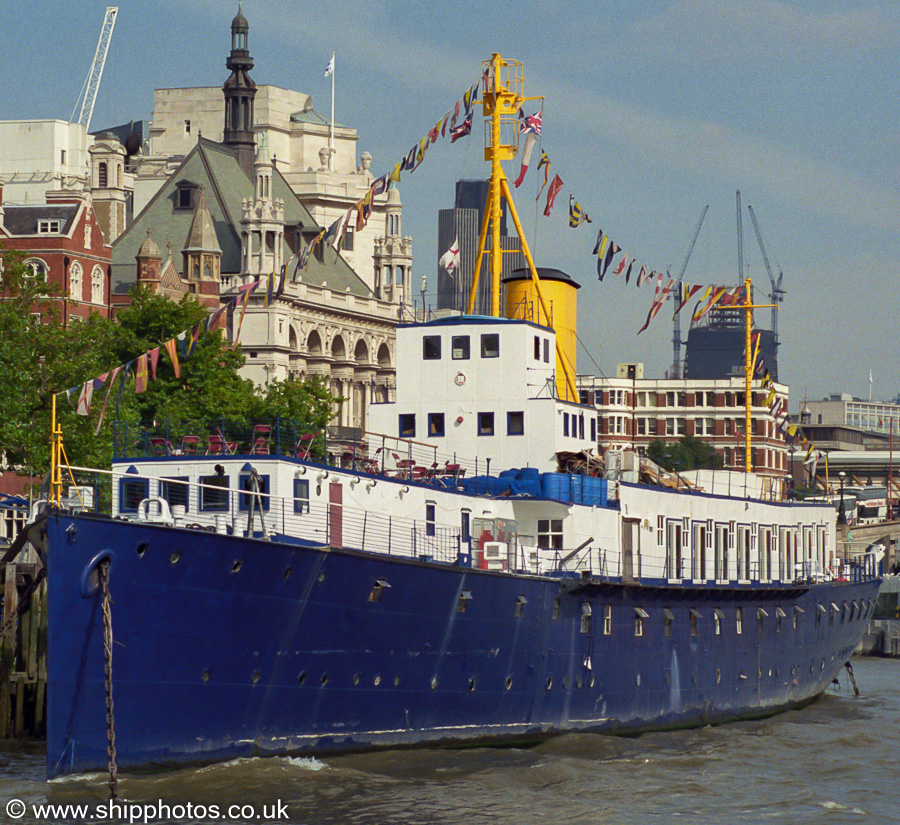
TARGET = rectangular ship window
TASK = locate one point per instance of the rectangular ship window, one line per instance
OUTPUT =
(174, 491)
(216, 498)
(459, 347)
(431, 347)
(131, 492)
(490, 345)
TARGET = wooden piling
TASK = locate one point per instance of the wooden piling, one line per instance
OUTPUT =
(23, 656)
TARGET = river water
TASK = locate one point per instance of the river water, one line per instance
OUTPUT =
(833, 762)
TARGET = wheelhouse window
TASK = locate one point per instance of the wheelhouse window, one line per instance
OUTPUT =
(407, 426)
(175, 491)
(586, 614)
(459, 347)
(132, 491)
(485, 423)
(550, 533)
(490, 345)
(214, 492)
(301, 495)
(429, 518)
(515, 423)
(431, 347)
(248, 494)
(436, 425)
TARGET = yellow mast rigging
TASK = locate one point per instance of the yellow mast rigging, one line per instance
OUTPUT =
(501, 100)
(748, 306)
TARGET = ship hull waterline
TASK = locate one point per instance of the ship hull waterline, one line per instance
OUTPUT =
(230, 647)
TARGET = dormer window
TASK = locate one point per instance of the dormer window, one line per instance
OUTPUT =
(184, 195)
(48, 227)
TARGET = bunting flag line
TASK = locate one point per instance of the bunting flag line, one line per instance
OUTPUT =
(687, 291)
(464, 128)
(84, 398)
(658, 300)
(611, 253)
(577, 215)
(628, 273)
(171, 348)
(154, 360)
(642, 276)
(552, 192)
(621, 267)
(543, 163)
(716, 294)
(112, 380)
(140, 375)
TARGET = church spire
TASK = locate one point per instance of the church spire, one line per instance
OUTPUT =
(239, 91)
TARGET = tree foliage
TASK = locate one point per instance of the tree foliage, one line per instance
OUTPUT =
(40, 359)
(689, 453)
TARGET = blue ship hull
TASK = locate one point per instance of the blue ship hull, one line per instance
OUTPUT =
(228, 647)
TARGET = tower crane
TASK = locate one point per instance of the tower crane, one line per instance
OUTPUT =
(88, 93)
(776, 296)
(676, 319)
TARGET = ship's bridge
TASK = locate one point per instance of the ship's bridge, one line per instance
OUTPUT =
(488, 385)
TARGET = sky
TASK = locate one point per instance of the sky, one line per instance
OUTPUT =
(651, 112)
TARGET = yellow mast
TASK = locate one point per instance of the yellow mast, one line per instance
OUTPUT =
(501, 101)
(748, 306)
(56, 450)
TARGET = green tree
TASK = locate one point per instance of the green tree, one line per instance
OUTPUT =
(688, 453)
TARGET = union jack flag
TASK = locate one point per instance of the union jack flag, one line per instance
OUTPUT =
(530, 123)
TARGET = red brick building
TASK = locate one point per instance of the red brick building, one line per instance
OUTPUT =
(62, 239)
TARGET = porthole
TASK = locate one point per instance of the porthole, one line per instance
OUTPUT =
(377, 680)
(236, 567)
(509, 682)
(142, 548)
(321, 577)
(434, 682)
(472, 684)
(175, 557)
(397, 680)
(579, 682)
(718, 675)
(324, 679)
(591, 683)
(301, 679)
(254, 677)
(356, 678)
(549, 682)
(287, 573)
(637, 680)
(205, 676)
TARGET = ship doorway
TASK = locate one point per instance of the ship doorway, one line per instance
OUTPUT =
(335, 514)
(631, 550)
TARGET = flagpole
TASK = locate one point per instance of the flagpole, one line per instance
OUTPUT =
(331, 134)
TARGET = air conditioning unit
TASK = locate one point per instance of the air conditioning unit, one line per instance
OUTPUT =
(493, 550)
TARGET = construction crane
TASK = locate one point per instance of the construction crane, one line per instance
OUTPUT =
(676, 296)
(88, 93)
(776, 296)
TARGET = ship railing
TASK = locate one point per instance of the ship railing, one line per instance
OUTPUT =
(244, 511)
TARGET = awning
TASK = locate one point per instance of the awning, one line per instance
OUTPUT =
(641, 612)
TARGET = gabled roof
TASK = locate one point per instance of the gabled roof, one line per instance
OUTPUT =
(214, 166)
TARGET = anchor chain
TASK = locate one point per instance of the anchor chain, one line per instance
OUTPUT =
(103, 571)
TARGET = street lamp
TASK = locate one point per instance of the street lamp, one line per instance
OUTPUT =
(842, 518)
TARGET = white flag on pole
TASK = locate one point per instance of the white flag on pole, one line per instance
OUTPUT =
(450, 259)
(329, 69)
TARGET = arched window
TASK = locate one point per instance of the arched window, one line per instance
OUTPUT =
(314, 343)
(338, 349)
(97, 285)
(102, 175)
(292, 339)
(36, 268)
(384, 356)
(361, 352)
(75, 281)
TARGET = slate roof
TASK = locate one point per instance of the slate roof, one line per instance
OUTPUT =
(215, 167)
(23, 220)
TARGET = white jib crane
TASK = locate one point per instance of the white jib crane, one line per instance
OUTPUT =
(88, 93)
(776, 296)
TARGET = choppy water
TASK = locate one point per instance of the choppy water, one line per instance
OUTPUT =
(837, 761)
